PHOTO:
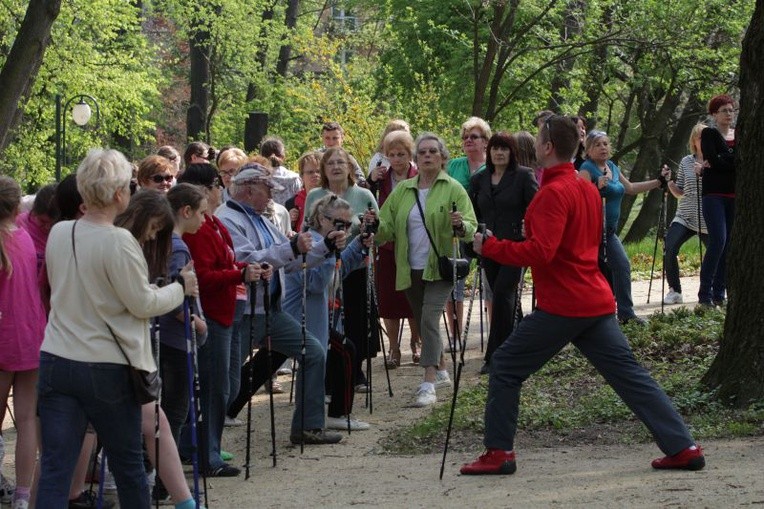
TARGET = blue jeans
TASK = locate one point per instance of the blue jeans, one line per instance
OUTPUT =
(286, 340)
(538, 338)
(620, 269)
(719, 212)
(71, 394)
(676, 236)
(214, 359)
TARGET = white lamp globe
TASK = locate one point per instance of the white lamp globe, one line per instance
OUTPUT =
(81, 113)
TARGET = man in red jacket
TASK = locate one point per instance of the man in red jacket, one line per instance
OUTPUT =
(563, 227)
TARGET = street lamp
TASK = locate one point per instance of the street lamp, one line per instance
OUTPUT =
(81, 114)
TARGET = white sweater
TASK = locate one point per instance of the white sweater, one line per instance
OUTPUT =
(109, 285)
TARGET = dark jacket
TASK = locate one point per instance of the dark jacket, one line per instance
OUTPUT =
(719, 177)
(502, 207)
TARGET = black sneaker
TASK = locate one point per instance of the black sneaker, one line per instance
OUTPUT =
(485, 369)
(89, 500)
(316, 437)
(224, 470)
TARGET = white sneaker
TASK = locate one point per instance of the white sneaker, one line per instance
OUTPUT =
(21, 504)
(673, 297)
(425, 396)
(341, 423)
(232, 421)
(442, 379)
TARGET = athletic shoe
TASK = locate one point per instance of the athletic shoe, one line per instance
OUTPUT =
(425, 396)
(673, 297)
(20, 504)
(6, 490)
(485, 368)
(361, 388)
(88, 500)
(224, 470)
(232, 421)
(688, 459)
(491, 462)
(315, 437)
(442, 379)
(225, 455)
(274, 387)
(341, 423)
(284, 370)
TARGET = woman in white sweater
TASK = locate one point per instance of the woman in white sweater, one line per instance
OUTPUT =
(100, 295)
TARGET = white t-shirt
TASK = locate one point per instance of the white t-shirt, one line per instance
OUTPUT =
(419, 242)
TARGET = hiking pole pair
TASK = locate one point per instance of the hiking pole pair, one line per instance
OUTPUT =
(457, 378)
(661, 226)
(457, 340)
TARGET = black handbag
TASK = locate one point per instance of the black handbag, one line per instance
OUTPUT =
(146, 385)
(446, 264)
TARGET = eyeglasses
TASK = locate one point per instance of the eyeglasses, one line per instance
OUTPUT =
(158, 178)
(345, 224)
(423, 151)
(472, 137)
(727, 111)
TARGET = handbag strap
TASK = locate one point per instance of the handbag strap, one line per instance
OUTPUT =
(77, 270)
(424, 223)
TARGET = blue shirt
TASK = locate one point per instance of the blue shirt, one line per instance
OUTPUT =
(172, 332)
(613, 192)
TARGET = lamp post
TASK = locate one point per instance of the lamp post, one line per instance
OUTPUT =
(81, 114)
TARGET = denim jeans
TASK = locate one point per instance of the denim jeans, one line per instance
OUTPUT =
(71, 394)
(676, 236)
(286, 341)
(214, 358)
(538, 338)
(620, 269)
(719, 212)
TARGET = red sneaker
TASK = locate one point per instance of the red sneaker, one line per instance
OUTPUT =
(491, 462)
(688, 459)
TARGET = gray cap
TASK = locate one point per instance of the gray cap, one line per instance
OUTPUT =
(254, 173)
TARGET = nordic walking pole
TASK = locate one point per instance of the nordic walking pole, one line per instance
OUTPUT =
(369, 395)
(655, 253)
(250, 375)
(303, 348)
(335, 322)
(456, 334)
(291, 389)
(159, 282)
(457, 378)
(190, 351)
(269, 358)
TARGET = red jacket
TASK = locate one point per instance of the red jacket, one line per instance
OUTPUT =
(216, 269)
(563, 227)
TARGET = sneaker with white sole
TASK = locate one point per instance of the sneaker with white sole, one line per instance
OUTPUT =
(673, 297)
(232, 421)
(425, 396)
(6, 490)
(341, 423)
(442, 379)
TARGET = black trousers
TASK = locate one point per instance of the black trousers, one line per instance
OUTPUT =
(503, 280)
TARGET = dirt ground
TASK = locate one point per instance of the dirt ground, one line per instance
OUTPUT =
(356, 472)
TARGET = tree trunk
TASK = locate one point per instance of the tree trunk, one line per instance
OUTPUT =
(20, 68)
(561, 79)
(737, 373)
(196, 116)
(285, 51)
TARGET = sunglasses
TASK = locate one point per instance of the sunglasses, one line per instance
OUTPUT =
(158, 179)
(345, 224)
(472, 137)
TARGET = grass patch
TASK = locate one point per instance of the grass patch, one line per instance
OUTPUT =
(641, 256)
(569, 401)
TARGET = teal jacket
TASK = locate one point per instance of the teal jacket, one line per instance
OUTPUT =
(393, 223)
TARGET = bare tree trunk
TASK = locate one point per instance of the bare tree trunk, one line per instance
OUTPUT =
(196, 116)
(738, 370)
(569, 30)
(20, 68)
(285, 51)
